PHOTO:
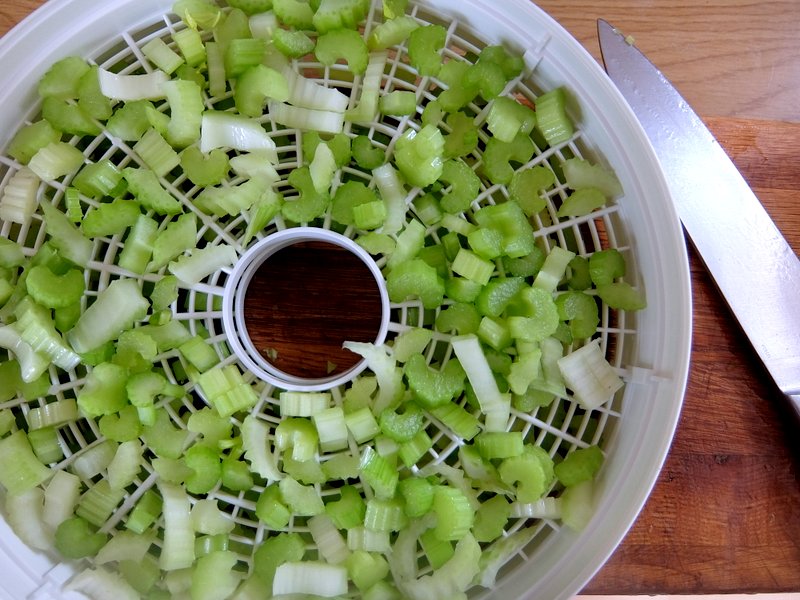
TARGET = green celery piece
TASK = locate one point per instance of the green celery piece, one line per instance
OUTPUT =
(581, 202)
(163, 438)
(497, 294)
(303, 500)
(251, 7)
(437, 551)
(461, 318)
(525, 266)
(310, 204)
(531, 473)
(424, 49)
(298, 434)
(274, 551)
(526, 185)
(398, 103)
(494, 332)
(339, 145)
(580, 276)
(52, 290)
(581, 311)
(121, 427)
(75, 538)
(433, 387)
(236, 475)
(156, 153)
(199, 353)
(110, 218)
(463, 136)
(190, 44)
(162, 56)
(416, 278)
(392, 32)
(411, 341)
(507, 117)
(370, 215)
(68, 118)
(491, 519)
(366, 569)
(98, 179)
(418, 495)
(511, 64)
(129, 122)
(62, 79)
(185, 99)
(348, 196)
(339, 14)
(145, 512)
(472, 267)
(294, 13)
(402, 426)
(344, 44)
(235, 25)
(261, 214)
(379, 473)
(385, 515)
(205, 169)
(498, 156)
(621, 295)
(348, 511)
(419, 155)
(164, 293)
(255, 85)
(499, 444)
(508, 218)
(179, 236)
(138, 247)
(412, 451)
(30, 139)
(428, 210)
(580, 173)
(486, 242)
(293, 44)
(432, 114)
(56, 160)
(206, 469)
(23, 470)
(394, 8)
(104, 390)
(464, 186)
(91, 98)
(580, 465)
(487, 77)
(147, 189)
(460, 92)
(242, 54)
(534, 315)
(552, 120)
(605, 266)
(455, 515)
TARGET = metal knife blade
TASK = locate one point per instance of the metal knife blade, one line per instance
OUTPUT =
(752, 264)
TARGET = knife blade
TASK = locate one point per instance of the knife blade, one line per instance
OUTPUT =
(752, 264)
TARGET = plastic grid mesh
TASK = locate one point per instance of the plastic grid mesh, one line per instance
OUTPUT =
(559, 427)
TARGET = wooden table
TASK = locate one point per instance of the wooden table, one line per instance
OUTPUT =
(725, 513)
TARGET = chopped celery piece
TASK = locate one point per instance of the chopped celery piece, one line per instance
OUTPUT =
(581, 202)
(494, 405)
(473, 267)
(415, 278)
(621, 295)
(55, 160)
(551, 117)
(177, 551)
(424, 47)
(298, 117)
(588, 374)
(580, 465)
(235, 132)
(378, 473)
(310, 577)
(242, 54)
(346, 44)
(508, 117)
(294, 13)
(398, 103)
(529, 473)
(432, 387)
(65, 236)
(464, 186)
(581, 311)
(367, 108)
(605, 266)
(52, 290)
(52, 414)
(19, 197)
(499, 155)
(463, 136)
(75, 538)
(162, 56)
(110, 218)
(114, 310)
(202, 262)
(419, 155)
(156, 153)
(30, 139)
(339, 14)
(580, 173)
(392, 32)
(526, 185)
(454, 515)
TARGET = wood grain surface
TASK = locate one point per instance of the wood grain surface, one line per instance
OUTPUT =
(725, 513)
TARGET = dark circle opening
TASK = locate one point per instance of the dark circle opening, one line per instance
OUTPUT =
(304, 302)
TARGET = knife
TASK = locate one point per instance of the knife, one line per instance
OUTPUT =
(755, 269)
